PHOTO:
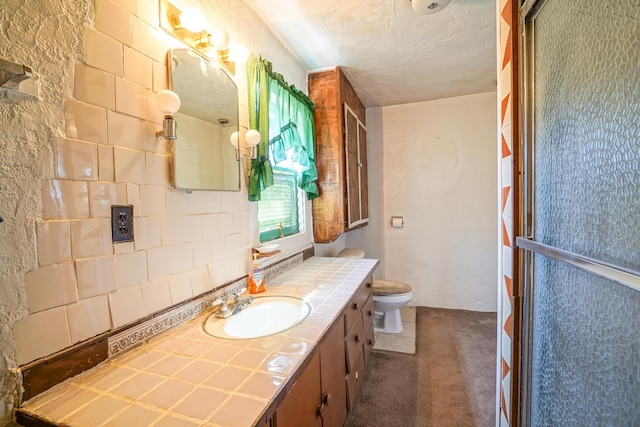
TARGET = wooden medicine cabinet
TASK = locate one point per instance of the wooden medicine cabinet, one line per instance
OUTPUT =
(341, 156)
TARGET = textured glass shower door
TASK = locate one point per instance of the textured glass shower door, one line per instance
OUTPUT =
(581, 353)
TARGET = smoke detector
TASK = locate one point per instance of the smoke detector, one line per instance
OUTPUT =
(428, 7)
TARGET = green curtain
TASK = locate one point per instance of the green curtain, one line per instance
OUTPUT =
(260, 172)
(289, 121)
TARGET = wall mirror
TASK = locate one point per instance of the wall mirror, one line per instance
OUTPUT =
(203, 157)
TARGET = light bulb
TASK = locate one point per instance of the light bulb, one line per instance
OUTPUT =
(238, 53)
(220, 39)
(234, 139)
(168, 102)
(192, 19)
(252, 137)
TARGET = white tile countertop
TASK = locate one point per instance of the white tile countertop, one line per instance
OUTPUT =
(185, 377)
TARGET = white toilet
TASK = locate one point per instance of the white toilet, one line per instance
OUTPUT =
(388, 297)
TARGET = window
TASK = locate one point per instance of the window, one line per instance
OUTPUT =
(278, 207)
(284, 174)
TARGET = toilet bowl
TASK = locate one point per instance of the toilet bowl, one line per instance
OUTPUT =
(388, 297)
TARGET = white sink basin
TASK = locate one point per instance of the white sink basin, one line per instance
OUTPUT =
(267, 315)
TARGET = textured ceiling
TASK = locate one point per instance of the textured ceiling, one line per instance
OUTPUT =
(391, 54)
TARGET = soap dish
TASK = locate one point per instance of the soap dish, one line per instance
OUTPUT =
(267, 249)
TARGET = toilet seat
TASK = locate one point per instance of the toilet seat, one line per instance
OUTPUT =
(382, 287)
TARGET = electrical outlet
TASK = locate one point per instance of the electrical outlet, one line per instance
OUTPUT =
(122, 223)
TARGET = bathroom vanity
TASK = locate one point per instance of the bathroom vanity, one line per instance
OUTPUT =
(308, 375)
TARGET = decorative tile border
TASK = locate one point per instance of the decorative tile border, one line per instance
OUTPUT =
(272, 271)
(138, 334)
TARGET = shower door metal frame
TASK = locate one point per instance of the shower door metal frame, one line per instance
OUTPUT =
(527, 246)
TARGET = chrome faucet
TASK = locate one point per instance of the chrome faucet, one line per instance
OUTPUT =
(241, 303)
(228, 309)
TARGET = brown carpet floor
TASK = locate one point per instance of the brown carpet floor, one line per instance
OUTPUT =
(449, 382)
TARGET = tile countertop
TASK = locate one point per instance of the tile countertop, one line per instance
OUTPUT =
(185, 377)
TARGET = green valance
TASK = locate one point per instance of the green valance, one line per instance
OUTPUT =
(284, 117)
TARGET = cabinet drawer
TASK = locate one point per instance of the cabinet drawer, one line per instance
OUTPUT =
(354, 343)
(357, 303)
(367, 313)
(354, 381)
(369, 341)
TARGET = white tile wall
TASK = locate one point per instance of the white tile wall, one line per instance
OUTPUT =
(63, 199)
(180, 287)
(131, 269)
(75, 159)
(91, 238)
(106, 170)
(41, 334)
(184, 243)
(113, 20)
(200, 281)
(123, 130)
(103, 52)
(96, 276)
(50, 286)
(88, 318)
(147, 232)
(54, 242)
(94, 86)
(130, 98)
(138, 68)
(85, 122)
(101, 196)
(129, 165)
(126, 305)
(152, 200)
(156, 294)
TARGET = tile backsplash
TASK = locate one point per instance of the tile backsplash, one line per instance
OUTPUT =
(184, 244)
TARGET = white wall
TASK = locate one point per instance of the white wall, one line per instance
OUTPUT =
(435, 163)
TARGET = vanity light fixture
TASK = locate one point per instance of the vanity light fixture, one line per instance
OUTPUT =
(253, 139)
(428, 7)
(189, 26)
(168, 103)
(191, 19)
(234, 141)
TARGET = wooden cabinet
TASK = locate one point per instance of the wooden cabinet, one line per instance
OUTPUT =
(318, 398)
(359, 338)
(331, 380)
(341, 156)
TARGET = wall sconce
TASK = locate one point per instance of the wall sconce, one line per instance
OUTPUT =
(234, 141)
(188, 26)
(428, 7)
(251, 137)
(168, 103)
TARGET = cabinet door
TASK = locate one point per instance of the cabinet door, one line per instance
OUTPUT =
(351, 166)
(362, 168)
(302, 404)
(332, 370)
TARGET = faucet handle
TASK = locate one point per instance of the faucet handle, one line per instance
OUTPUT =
(241, 291)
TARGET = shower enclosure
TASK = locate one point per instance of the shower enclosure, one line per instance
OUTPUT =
(580, 242)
